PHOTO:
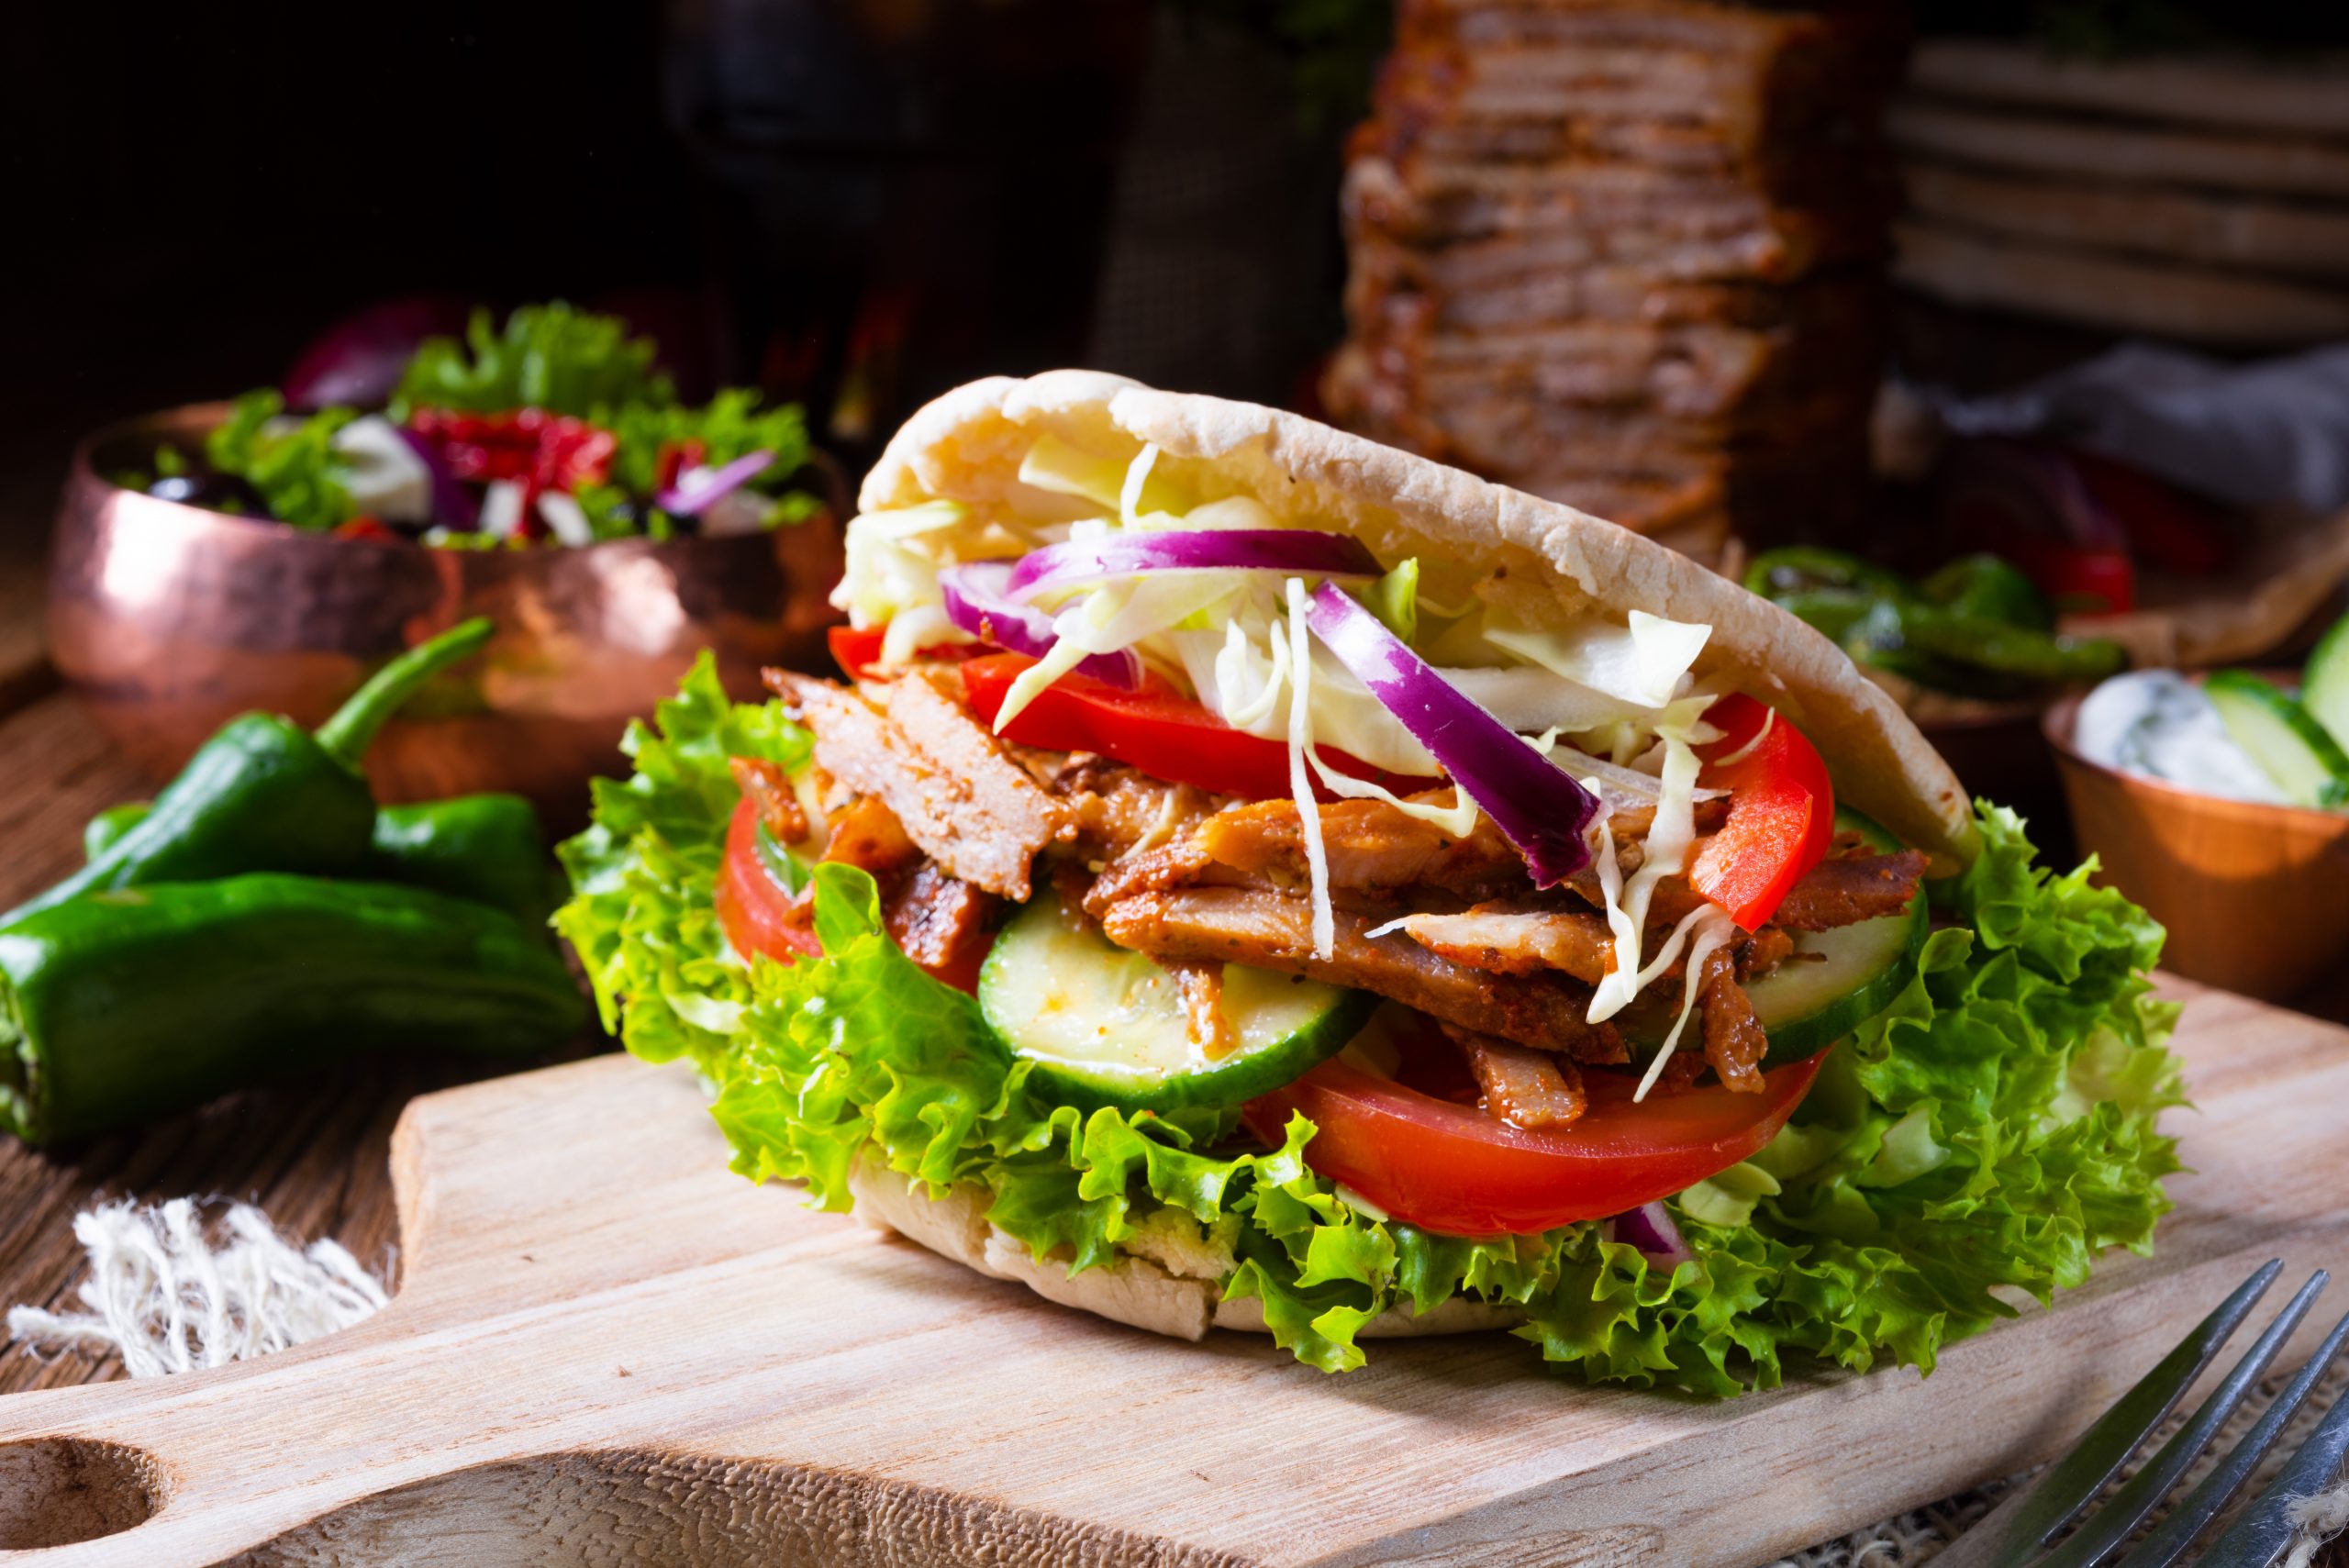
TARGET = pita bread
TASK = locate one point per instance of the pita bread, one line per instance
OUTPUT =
(2118, 293)
(2000, 139)
(2261, 234)
(2302, 93)
(1539, 561)
(1134, 1291)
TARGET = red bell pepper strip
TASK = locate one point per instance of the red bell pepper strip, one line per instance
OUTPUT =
(1781, 811)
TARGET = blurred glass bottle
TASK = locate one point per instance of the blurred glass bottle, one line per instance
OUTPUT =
(897, 195)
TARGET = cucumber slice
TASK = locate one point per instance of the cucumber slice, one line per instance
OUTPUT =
(2324, 686)
(1105, 1026)
(2282, 737)
(1838, 980)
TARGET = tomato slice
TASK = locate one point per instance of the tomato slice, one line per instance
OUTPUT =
(857, 649)
(1165, 735)
(758, 913)
(1781, 811)
(1452, 1168)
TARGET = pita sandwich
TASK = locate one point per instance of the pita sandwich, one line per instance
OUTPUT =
(1249, 878)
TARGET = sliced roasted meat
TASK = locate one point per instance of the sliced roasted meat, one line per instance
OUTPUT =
(1511, 938)
(1524, 1088)
(866, 834)
(1272, 931)
(1849, 889)
(967, 803)
(1118, 810)
(1370, 845)
(939, 920)
(1763, 952)
(1630, 824)
(771, 795)
(1201, 984)
(1735, 1042)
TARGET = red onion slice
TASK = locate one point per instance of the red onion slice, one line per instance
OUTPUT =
(453, 504)
(720, 484)
(977, 602)
(1650, 1229)
(1299, 551)
(1542, 811)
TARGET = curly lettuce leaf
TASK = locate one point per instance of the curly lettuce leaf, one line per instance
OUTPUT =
(291, 461)
(547, 356)
(642, 874)
(1994, 1128)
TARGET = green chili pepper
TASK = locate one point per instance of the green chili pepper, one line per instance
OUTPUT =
(100, 832)
(487, 847)
(1988, 588)
(134, 1003)
(266, 795)
(1776, 572)
(2007, 650)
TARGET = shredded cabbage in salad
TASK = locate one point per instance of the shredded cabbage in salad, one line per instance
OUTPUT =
(1614, 705)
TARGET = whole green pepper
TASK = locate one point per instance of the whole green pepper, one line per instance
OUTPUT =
(134, 1003)
(1988, 588)
(99, 833)
(265, 795)
(487, 848)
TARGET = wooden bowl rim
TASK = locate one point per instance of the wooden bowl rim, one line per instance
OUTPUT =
(190, 420)
(2057, 726)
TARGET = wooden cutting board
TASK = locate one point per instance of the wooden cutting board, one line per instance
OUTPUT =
(609, 1350)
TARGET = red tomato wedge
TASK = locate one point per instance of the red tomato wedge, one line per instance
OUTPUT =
(1452, 1168)
(1165, 735)
(1781, 811)
(758, 914)
(855, 648)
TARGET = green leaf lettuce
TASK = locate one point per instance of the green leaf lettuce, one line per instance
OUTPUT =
(1991, 1131)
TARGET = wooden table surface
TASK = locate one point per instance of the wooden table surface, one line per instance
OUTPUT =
(312, 1154)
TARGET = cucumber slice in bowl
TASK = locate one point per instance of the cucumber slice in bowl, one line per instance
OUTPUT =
(2324, 684)
(1106, 1026)
(1837, 980)
(2282, 737)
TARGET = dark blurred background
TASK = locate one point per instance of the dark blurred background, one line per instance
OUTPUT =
(787, 193)
(851, 201)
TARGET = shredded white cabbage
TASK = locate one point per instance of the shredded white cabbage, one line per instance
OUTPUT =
(1713, 929)
(1622, 698)
(1300, 746)
(1643, 664)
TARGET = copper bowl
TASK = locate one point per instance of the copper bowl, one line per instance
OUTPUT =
(2256, 898)
(168, 619)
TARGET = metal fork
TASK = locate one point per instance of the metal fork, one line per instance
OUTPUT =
(2016, 1532)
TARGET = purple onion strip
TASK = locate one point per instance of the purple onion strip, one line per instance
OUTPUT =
(976, 602)
(453, 504)
(720, 484)
(1300, 551)
(1650, 1229)
(1540, 809)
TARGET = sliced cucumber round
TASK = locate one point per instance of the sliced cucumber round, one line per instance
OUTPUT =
(1106, 1026)
(1837, 980)
(2282, 737)
(2324, 685)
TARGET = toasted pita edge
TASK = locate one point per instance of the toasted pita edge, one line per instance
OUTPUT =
(1133, 1291)
(1540, 560)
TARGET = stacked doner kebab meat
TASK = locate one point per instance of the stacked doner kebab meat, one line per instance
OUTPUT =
(1627, 254)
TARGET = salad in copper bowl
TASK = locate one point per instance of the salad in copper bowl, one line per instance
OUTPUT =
(558, 429)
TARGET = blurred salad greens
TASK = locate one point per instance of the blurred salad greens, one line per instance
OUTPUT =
(557, 427)
(1976, 628)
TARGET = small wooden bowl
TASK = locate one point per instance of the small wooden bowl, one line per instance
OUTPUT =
(2256, 898)
(168, 619)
